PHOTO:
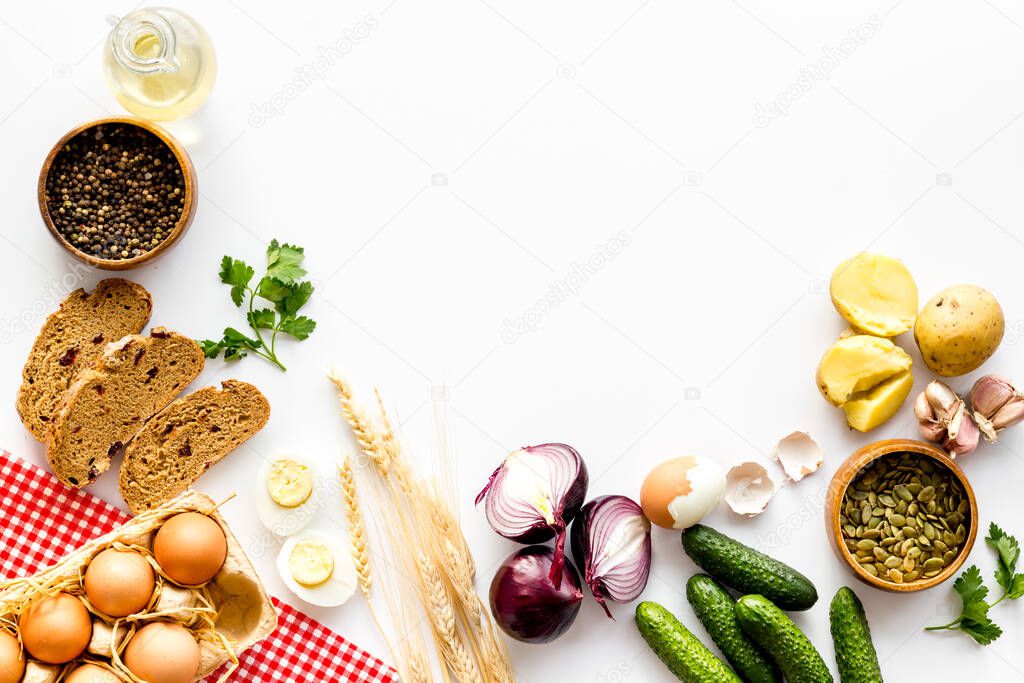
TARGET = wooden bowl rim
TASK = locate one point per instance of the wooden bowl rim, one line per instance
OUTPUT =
(849, 471)
(188, 211)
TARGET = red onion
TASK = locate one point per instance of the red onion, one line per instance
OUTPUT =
(611, 541)
(526, 604)
(534, 494)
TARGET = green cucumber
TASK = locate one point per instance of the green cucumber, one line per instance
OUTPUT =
(782, 640)
(682, 653)
(746, 570)
(855, 653)
(717, 611)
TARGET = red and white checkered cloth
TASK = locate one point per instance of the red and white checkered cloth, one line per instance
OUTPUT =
(41, 520)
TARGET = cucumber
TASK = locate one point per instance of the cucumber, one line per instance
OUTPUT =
(851, 635)
(717, 611)
(746, 570)
(782, 640)
(682, 653)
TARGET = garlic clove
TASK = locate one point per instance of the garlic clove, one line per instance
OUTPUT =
(963, 435)
(923, 409)
(990, 393)
(943, 400)
(932, 431)
(1010, 414)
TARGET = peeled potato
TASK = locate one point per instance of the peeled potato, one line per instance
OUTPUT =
(856, 364)
(868, 409)
(959, 329)
(875, 294)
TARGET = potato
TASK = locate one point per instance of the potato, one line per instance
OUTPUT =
(869, 377)
(868, 409)
(875, 294)
(959, 329)
(857, 364)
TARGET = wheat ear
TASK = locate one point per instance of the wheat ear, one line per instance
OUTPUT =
(361, 426)
(442, 618)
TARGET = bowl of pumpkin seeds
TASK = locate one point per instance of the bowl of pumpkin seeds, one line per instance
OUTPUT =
(902, 515)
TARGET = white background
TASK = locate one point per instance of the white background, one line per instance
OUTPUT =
(465, 154)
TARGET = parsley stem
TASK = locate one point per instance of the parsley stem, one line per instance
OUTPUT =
(950, 625)
(269, 354)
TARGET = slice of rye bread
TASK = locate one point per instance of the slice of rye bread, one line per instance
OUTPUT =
(108, 404)
(72, 339)
(184, 439)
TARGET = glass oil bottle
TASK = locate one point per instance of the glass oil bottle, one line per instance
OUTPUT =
(159, 63)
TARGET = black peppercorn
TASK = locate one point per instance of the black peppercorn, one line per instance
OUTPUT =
(115, 191)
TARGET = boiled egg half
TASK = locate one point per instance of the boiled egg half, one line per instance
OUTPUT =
(318, 568)
(285, 494)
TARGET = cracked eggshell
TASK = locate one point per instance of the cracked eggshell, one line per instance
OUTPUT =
(679, 492)
(799, 455)
(748, 489)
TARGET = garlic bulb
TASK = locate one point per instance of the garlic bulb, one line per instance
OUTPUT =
(943, 418)
(996, 405)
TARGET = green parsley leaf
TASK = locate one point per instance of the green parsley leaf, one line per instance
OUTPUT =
(1009, 551)
(984, 632)
(283, 262)
(298, 297)
(971, 588)
(273, 290)
(236, 273)
(300, 327)
(234, 353)
(1016, 588)
(263, 318)
(236, 338)
(210, 348)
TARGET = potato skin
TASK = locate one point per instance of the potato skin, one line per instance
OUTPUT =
(959, 329)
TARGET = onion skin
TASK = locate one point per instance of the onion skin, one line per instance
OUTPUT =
(526, 604)
(516, 525)
(590, 532)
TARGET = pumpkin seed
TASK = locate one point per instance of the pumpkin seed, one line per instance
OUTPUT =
(904, 518)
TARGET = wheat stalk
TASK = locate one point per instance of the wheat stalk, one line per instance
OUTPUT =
(426, 544)
(356, 528)
(442, 618)
(362, 428)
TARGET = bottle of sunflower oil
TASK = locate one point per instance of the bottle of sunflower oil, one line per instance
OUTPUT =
(159, 63)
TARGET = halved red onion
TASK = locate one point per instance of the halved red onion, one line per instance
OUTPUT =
(611, 541)
(534, 494)
(526, 604)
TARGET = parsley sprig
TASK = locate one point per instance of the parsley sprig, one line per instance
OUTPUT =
(974, 619)
(283, 287)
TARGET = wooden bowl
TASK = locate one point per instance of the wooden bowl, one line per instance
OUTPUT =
(188, 211)
(849, 470)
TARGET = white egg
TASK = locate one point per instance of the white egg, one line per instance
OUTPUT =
(281, 520)
(342, 583)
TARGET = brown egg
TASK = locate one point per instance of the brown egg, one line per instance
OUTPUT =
(119, 582)
(162, 652)
(12, 660)
(90, 673)
(679, 492)
(56, 630)
(190, 548)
